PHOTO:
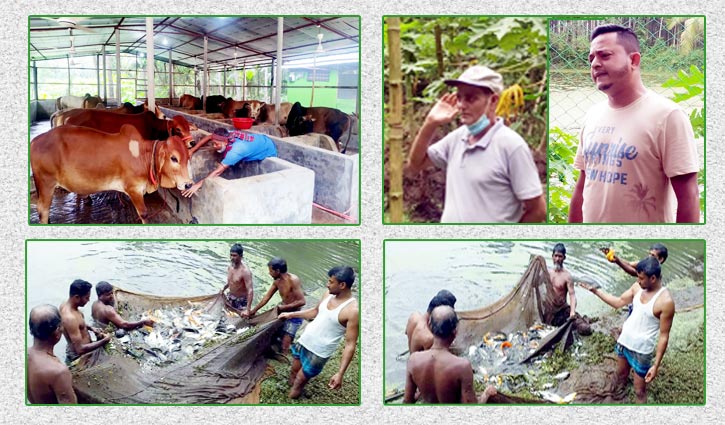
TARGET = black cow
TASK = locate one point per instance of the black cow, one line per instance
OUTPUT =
(319, 119)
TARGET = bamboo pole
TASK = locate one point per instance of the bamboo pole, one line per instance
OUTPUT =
(395, 119)
(439, 50)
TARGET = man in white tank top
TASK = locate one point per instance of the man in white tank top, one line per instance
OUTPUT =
(335, 316)
(652, 313)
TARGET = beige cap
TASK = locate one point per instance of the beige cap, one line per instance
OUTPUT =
(480, 76)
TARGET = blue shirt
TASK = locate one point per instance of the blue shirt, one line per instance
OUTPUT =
(249, 147)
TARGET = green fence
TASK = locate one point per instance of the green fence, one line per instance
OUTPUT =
(673, 58)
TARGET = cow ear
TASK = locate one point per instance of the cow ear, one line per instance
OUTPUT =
(162, 156)
(172, 129)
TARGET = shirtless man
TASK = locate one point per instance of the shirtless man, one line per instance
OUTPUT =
(335, 316)
(646, 332)
(49, 380)
(104, 312)
(419, 335)
(563, 285)
(658, 250)
(239, 282)
(290, 290)
(75, 329)
(441, 376)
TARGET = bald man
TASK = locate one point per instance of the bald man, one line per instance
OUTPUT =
(441, 376)
(49, 380)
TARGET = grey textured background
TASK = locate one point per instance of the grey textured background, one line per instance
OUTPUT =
(14, 169)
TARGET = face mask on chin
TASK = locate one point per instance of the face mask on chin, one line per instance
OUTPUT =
(477, 127)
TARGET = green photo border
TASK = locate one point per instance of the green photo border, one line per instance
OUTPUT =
(552, 240)
(359, 120)
(548, 18)
(358, 280)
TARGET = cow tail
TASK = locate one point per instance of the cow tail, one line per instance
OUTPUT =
(349, 133)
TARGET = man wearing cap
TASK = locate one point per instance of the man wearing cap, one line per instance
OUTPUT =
(235, 147)
(490, 172)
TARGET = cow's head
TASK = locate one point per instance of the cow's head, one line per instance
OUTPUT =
(172, 164)
(256, 106)
(180, 127)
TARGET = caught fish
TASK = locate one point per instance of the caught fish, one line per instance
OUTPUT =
(179, 333)
(556, 398)
(562, 375)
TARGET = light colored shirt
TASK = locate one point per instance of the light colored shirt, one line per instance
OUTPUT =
(486, 182)
(324, 334)
(640, 330)
(629, 155)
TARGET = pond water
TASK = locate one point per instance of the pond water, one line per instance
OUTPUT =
(480, 272)
(174, 268)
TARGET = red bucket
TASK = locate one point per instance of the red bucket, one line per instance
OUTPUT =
(242, 123)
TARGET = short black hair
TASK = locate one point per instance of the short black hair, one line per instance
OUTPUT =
(279, 264)
(44, 320)
(443, 321)
(221, 131)
(661, 251)
(237, 248)
(343, 274)
(80, 287)
(650, 267)
(625, 36)
(559, 248)
(103, 288)
(443, 297)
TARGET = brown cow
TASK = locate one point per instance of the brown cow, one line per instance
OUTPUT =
(146, 123)
(85, 161)
(267, 116)
(241, 108)
(190, 102)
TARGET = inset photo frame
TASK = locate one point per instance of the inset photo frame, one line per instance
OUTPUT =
(575, 321)
(193, 322)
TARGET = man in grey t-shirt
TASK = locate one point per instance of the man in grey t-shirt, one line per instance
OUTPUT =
(490, 172)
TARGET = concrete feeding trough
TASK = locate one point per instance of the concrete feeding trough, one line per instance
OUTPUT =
(271, 191)
(336, 175)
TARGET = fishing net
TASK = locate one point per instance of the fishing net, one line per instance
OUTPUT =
(531, 301)
(222, 371)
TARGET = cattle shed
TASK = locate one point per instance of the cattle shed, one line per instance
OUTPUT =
(313, 60)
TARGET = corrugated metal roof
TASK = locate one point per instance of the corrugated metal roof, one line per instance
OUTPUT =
(252, 39)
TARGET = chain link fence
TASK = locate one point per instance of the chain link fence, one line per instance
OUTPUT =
(667, 46)
(671, 48)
